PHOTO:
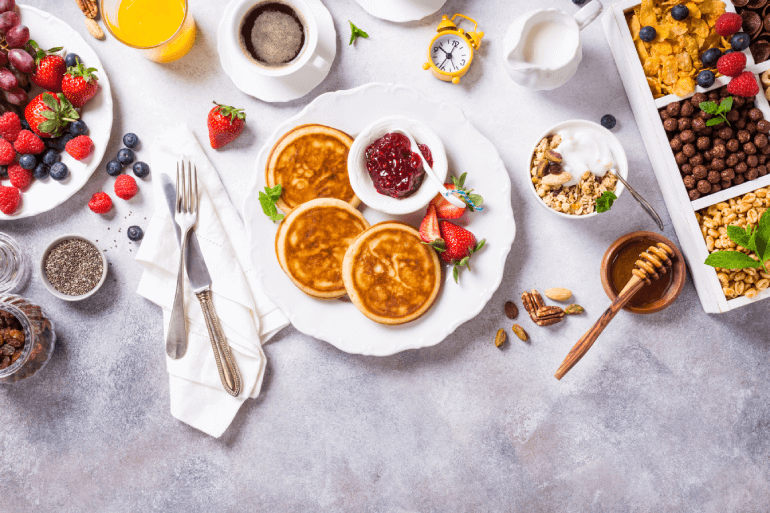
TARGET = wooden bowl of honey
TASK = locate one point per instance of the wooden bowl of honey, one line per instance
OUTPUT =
(619, 261)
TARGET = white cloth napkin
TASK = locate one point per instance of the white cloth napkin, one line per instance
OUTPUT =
(246, 314)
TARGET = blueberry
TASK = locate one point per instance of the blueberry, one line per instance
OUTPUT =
(125, 156)
(647, 34)
(729, 51)
(71, 59)
(51, 157)
(59, 171)
(3, 171)
(24, 124)
(740, 41)
(706, 78)
(28, 161)
(63, 140)
(135, 233)
(40, 172)
(608, 121)
(141, 169)
(710, 57)
(114, 168)
(77, 128)
(51, 144)
(130, 140)
(680, 12)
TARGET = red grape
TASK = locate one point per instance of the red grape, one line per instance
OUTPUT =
(17, 97)
(17, 37)
(7, 5)
(21, 60)
(8, 20)
(8, 80)
(3, 57)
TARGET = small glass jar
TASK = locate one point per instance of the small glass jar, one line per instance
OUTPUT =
(39, 338)
(14, 267)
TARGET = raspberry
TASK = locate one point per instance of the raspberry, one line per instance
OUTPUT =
(28, 143)
(10, 126)
(125, 187)
(728, 24)
(10, 199)
(744, 85)
(20, 178)
(80, 147)
(100, 203)
(731, 64)
(7, 153)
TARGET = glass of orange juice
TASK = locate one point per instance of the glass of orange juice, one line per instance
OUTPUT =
(164, 30)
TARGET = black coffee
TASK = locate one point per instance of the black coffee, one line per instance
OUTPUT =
(273, 34)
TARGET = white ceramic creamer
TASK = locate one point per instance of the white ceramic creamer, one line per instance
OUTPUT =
(542, 49)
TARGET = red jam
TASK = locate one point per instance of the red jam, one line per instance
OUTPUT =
(396, 170)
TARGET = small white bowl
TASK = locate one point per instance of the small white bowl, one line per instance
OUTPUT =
(362, 183)
(47, 284)
(617, 151)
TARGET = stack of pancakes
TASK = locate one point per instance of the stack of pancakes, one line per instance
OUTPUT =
(326, 246)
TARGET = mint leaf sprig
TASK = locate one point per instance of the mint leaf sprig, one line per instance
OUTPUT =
(267, 199)
(474, 201)
(605, 201)
(718, 111)
(355, 33)
(756, 239)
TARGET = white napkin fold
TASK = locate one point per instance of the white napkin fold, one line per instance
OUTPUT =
(246, 314)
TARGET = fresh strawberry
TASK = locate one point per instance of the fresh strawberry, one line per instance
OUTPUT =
(446, 210)
(125, 187)
(50, 68)
(10, 199)
(80, 147)
(7, 153)
(460, 245)
(10, 126)
(28, 143)
(728, 24)
(744, 85)
(80, 84)
(732, 64)
(100, 203)
(429, 232)
(49, 114)
(20, 177)
(225, 125)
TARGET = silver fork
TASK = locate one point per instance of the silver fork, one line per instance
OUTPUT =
(186, 216)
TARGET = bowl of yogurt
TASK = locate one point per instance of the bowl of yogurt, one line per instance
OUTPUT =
(572, 164)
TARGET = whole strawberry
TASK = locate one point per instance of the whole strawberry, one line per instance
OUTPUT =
(28, 143)
(49, 114)
(728, 24)
(100, 203)
(744, 85)
(80, 84)
(460, 245)
(731, 64)
(50, 68)
(125, 187)
(10, 126)
(10, 200)
(20, 177)
(7, 153)
(225, 124)
(80, 147)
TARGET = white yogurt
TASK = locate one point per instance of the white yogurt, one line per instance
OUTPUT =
(585, 149)
(549, 44)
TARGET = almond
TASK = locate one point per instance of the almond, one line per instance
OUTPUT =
(558, 294)
(556, 180)
(94, 29)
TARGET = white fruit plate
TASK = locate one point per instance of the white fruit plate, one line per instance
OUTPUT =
(339, 322)
(401, 10)
(44, 195)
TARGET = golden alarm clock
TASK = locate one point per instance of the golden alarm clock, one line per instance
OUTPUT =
(451, 51)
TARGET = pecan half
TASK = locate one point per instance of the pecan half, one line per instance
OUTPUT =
(89, 8)
(549, 315)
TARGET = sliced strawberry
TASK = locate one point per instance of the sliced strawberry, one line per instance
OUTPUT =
(429, 231)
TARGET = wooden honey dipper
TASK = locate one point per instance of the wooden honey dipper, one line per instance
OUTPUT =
(651, 264)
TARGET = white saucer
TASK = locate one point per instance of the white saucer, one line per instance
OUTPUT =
(283, 89)
(401, 10)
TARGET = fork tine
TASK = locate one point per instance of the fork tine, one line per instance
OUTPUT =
(184, 189)
(196, 198)
(178, 202)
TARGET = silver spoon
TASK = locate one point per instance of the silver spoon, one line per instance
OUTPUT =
(638, 197)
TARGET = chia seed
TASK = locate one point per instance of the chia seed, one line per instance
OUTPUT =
(74, 267)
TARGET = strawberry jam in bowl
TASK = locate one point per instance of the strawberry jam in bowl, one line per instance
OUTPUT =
(385, 171)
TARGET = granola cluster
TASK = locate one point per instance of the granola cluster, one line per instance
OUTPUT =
(577, 199)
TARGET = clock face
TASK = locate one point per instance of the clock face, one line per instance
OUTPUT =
(450, 53)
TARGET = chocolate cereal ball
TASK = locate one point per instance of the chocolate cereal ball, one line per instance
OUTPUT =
(680, 158)
(687, 109)
(752, 161)
(755, 114)
(703, 143)
(700, 172)
(714, 177)
(704, 115)
(689, 150)
(732, 160)
(728, 174)
(763, 126)
(741, 168)
(725, 133)
(726, 184)
(760, 140)
(738, 101)
(733, 116)
(687, 136)
(673, 108)
(743, 136)
(687, 169)
(694, 194)
(713, 96)
(762, 170)
(740, 124)
(739, 179)
(718, 164)
(715, 188)
(733, 145)
(664, 115)
(707, 155)
(761, 158)
(752, 174)
(698, 125)
(676, 143)
(765, 150)
(684, 124)
(749, 148)
(689, 181)
(719, 151)
(697, 159)
(741, 155)
(704, 187)
(670, 125)
(699, 98)
(751, 128)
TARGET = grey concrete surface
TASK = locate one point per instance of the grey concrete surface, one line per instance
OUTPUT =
(668, 412)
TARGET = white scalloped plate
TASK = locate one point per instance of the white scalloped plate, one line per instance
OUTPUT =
(339, 322)
(44, 195)
(401, 10)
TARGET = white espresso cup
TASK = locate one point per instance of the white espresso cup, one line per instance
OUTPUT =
(308, 55)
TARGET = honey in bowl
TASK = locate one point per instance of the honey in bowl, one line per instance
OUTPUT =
(625, 262)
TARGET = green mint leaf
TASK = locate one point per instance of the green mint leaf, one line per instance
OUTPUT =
(273, 193)
(726, 104)
(763, 236)
(268, 204)
(461, 180)
(731, 260)
(709, 107)
(605, 201)
(714, 121)
(739, 236)
(476, 199)
(355, 33)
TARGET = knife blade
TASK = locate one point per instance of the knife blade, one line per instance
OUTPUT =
(197, 272)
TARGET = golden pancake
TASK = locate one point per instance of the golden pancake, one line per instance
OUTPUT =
(311, 162)
(390, 275)
(311, 243)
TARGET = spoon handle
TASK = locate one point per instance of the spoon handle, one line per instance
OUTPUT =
(645, 205)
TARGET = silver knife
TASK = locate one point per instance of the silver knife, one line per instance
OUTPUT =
(200, 280)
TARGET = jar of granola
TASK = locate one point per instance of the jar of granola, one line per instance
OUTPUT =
(27, 338)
